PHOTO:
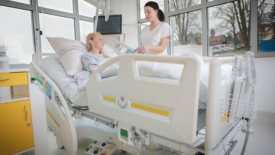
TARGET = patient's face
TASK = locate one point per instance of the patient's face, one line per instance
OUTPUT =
(98, 42)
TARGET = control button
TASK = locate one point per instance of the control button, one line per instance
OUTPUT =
(95, 142)
(111, 147)
(87, 149)
(96, 151)
(103, 144)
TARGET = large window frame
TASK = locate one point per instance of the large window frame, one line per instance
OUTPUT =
(204, 14)
(31, 7)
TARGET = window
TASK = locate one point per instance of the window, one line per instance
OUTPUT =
(144, 24)
(85, 29)
(180, 4)
(57, 18)
(60, 5)
(186, 33)
(16, 36)
(86, 9)
(266, 26)
(143, 2)
(22, 1)
(54, 26)
(227, 27)
(228, 32)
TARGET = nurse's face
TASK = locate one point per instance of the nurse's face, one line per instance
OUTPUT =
(150, 14)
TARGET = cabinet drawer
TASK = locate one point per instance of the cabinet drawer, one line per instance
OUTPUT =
(16, 133)
(12, 79)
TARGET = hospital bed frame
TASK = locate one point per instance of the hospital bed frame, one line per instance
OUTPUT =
(170, 120)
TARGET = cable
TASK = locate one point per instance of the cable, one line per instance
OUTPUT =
(123, 41)
(35, 78)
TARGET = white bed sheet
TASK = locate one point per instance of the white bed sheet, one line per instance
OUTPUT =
(75, 91)
(69, 87)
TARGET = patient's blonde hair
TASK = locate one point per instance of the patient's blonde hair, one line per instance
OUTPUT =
(91, 36)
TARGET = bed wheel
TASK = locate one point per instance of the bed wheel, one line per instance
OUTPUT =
(123, 151)
(59, 144)
(199, 153)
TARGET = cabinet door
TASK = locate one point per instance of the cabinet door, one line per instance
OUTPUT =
(16, 132)
(12, 79)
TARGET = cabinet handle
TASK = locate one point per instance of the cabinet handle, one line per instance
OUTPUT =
(4, 79)
(26, 112)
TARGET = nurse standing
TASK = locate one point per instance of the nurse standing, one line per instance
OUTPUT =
(155, 37)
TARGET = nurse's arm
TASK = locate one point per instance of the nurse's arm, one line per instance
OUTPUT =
(162, 45)
(157, 49)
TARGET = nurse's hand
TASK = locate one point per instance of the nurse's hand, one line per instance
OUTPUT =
(143, 49)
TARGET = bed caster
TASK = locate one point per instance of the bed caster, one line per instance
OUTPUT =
(199, 153)
(59, 144)
(123, 151)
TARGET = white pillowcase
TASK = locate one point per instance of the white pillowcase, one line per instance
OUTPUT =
(69, 53)
(109, 51)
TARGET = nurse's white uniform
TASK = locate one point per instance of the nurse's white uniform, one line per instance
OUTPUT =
(153, 37)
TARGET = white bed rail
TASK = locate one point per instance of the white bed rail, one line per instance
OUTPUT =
(59, 120)
(217, 127)
(161, 106)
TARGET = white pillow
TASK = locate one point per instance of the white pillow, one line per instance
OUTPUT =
(69, 53)
(109, 51)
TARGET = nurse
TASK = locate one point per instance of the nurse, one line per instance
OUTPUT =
(155, 37)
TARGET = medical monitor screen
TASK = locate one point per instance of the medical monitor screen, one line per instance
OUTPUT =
(112, 26)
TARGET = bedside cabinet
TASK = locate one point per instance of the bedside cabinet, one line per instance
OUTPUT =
(22, 114)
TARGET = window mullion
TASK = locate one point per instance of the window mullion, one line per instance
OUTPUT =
(254, 27)
(76, 20)
(204, 18)
(36, 26)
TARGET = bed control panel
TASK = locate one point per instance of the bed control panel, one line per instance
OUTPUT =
(100, 148)
(124, 133)
(251, 68)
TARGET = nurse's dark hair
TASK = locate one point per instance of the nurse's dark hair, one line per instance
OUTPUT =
(155, 6)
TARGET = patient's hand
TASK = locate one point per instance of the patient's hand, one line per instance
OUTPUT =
(93, 68)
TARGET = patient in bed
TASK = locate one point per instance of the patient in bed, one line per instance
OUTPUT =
(92, 59)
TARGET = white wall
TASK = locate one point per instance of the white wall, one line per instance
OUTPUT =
(265, 89)
(128, 9)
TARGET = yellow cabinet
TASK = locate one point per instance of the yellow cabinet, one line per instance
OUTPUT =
(12, 79)
(16, 131)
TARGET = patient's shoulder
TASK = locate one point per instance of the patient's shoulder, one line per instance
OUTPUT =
(88, 55)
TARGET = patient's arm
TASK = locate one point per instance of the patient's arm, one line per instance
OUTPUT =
(93, 68)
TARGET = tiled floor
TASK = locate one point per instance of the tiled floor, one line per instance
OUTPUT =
(262, 142)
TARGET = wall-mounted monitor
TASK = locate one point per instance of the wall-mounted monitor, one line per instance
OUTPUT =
(111, 27)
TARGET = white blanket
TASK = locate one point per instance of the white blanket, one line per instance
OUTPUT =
(159, 70)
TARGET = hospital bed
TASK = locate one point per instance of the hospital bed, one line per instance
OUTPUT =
(147, 115)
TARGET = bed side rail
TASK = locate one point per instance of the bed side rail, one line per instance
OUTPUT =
(59, 119)
(216, 125)
(164, 107)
